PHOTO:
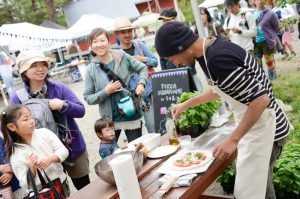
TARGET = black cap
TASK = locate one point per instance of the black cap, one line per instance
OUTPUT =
(168, 13)
(173, 38)
(228, 3)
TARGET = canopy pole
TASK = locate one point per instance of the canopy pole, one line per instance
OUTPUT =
(199, 24)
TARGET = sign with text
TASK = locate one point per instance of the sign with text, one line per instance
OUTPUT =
(168, 85)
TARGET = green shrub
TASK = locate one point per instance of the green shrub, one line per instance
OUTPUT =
(227, 177)
(196, 115)
(286, 176)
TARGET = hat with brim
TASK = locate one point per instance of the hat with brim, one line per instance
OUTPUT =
(26, 58)
(165, 18)
(168, 14)
(123, 23)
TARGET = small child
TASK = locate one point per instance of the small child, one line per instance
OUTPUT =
(32, 148)
(105, 131)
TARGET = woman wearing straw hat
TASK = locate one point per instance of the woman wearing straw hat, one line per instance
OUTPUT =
(106, 83)
(33, 67)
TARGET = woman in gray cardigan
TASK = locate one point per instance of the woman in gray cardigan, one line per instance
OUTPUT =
(101, 88)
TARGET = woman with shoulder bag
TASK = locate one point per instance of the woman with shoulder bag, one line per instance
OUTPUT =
(33, 67)
(106, 84)
(211, 28)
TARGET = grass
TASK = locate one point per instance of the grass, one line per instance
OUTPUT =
(287, 88)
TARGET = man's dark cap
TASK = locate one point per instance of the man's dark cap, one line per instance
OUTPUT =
(173, 38)
(228, 3)
(168, 14)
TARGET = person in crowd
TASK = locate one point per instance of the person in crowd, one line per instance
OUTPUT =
(104, 128)
(106, 73)
(277, 10)
(211, 28)
(139, 51)
(166, 15)
(33, 67)
(235, 77)
(240, 26)
(30, 148)
(266, 38)
(285, 14)
(8, 181)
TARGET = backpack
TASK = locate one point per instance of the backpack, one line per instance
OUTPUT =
(39, 109)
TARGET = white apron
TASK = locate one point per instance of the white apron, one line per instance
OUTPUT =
(254, 149)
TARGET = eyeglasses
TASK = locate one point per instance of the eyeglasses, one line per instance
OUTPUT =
(108, 130)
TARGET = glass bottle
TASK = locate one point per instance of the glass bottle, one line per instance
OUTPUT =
(171, 130)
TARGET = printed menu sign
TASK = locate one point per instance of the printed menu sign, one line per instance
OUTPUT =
(168, 85)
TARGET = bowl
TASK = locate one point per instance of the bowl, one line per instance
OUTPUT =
(104, 171)
(150, 141)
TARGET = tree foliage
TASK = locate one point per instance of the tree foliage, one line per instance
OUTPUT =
(32, 11)
(186, 8)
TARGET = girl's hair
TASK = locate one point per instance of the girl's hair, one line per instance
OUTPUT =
(95, 33)
(10, 115)
(26, 80)
(102, 123)
(203, 9)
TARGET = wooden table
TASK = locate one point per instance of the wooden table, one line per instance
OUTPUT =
(148, 177)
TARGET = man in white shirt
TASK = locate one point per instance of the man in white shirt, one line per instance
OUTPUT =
(240, 25)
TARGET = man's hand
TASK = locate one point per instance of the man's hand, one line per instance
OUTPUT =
(140, 89)
(140, 58)
(236, 30)
(113, 87)
(177, 110)
(225, 149)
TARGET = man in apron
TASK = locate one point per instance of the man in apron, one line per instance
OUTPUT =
(235, 77)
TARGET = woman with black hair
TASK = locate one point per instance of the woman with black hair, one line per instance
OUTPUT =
(211, 28)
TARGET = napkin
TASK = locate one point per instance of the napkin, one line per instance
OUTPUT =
(125, 177)
(183, 181)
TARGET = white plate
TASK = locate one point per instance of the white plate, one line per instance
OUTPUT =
(162, 151)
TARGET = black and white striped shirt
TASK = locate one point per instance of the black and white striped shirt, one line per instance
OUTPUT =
(236, 73)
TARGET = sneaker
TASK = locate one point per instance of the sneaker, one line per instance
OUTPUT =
(272, 75)
(293, 54)
(286, 55)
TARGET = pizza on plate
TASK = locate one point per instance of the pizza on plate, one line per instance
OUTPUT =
(191, 160)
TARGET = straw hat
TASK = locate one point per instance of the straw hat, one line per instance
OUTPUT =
(26, 58)
(123, 23)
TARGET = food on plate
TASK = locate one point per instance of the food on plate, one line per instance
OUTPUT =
(192, 160)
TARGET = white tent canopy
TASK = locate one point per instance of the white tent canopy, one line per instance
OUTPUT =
(147, 19)
(150, 20)
(26, 35)
(211, 3)
(87, 23)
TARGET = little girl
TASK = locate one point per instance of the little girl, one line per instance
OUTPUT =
(32, 148)
(105, 131)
